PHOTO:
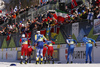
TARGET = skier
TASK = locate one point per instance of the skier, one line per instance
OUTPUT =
(39, 43)
(50, 51)
(30, 49)
(24, 48)
(89, 45)
(44, 53)
(70, 44)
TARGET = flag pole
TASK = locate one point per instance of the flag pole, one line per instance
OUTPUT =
(19, 4)
(89, 9)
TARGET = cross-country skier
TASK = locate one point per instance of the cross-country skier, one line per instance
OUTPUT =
(70, 44)
(39, 43)
(50, 51)
(44, 53)
(89, 46)
(30, 49)
(24, 48)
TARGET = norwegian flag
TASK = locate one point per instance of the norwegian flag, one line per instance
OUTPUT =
(73, 4)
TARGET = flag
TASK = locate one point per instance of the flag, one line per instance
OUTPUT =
(54, 32)
(55, 16)
(90, 15)
(43, 32)
(15, 9)
(55, 29)
(28, 35)
(41, 1)
(61, 16)
(47, 32)
(73, 4)
(53, 36)
(98, 16)
(8, 36)
(0, 11)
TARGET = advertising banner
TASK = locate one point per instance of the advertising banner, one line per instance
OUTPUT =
(75, 29)
(96, 30)
(33, 56)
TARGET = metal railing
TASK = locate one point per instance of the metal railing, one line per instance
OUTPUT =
(31, 13)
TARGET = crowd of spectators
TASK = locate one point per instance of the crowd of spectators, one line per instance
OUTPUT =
(81, 13)
(43, 21)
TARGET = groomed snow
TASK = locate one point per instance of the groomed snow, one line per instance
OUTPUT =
(7, 64)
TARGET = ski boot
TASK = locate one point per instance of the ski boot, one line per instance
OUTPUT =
(26, 61)
(52, 60)
(21, 62)
(41, 61)
(29, 61)
(71, 62)
(67, 62)
(37, 60)
(90, 62)
(86, 61)
(44, 60)
(48, 60)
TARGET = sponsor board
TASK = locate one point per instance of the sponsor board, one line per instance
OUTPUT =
(33, 56)
(96, 30)
(59, 54)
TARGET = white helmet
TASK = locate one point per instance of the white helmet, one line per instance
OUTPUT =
(38, 32)
(23, 35)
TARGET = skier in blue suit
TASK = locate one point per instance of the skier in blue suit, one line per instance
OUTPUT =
(70, 44)
(89, 45)
(39, 43)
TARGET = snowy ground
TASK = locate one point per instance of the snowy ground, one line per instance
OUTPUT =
(7, 64)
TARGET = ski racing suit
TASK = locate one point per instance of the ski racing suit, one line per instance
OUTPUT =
(39, 43)
(24, 45)
(70, 45)
(44, 53)
(30, 49)
(44, 50)
(89, 46)
(50, 50)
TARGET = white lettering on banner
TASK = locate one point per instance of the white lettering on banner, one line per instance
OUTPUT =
(75, 29)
